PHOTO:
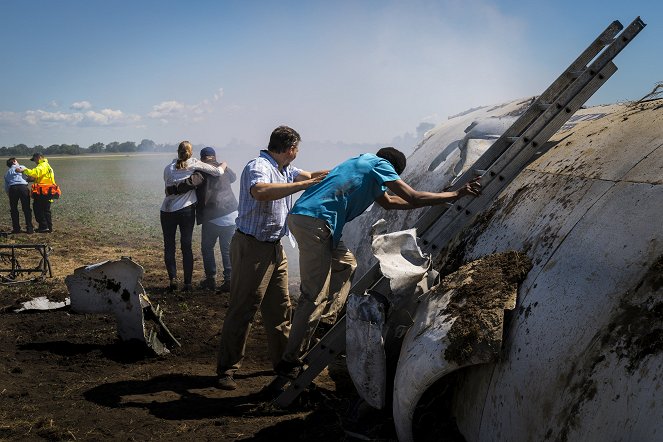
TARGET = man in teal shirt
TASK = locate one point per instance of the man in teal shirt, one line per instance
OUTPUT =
(317, 220)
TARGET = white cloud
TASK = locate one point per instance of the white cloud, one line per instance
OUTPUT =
(80, 105)
(108, 117)
(173, 109)
(167, 109)
(37, 117)
(42, 118)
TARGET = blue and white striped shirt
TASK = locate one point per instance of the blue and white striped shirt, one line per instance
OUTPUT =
(13, 178)
(265, 220)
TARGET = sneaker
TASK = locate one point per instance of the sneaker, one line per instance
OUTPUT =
(225, 287)
(208, 283)
(226, 382)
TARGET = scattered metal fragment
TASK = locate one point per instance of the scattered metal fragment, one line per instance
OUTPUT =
(42, 303)
(114, 286)
(13, 268)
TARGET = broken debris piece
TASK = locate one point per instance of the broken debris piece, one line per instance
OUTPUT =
(114, 286)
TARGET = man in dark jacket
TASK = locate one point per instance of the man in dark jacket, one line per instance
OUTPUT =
(216, 210)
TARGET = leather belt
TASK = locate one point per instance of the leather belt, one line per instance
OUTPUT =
(251, 236)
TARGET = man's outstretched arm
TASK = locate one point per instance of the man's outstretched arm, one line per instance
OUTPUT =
(275, 191)
(407, 198)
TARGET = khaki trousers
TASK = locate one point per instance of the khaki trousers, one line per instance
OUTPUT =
(259, 280)
(326, 277)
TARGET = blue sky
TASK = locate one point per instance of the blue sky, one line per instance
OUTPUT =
(220, 72)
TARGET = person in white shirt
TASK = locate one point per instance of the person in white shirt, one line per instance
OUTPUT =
(179, 211)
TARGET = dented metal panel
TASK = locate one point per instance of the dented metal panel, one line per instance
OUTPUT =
(593, 241)
(566, 308)
(114, 287)
(577, 362)
(366, 359)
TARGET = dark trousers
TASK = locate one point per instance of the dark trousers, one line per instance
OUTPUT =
(185, 219)
(20, 192)
(42, 206)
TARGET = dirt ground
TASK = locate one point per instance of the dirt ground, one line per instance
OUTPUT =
(66, 376)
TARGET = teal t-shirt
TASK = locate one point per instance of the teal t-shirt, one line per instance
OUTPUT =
(348, 190)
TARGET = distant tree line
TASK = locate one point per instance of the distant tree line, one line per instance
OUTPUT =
(22, 150)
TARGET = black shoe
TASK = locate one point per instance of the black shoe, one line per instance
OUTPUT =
(172, 285)
(208, 283)
(30, 231)
(287, 369)
(187, 287)
(226, 382)
(225, 287)
(43, 230)
(16, 231)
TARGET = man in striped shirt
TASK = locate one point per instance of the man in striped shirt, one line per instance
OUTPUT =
(260, 267)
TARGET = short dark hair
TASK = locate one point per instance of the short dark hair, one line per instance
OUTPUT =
(282, 139)
(10, 161)
(395, 157)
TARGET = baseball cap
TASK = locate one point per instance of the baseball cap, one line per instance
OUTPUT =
(207, 152)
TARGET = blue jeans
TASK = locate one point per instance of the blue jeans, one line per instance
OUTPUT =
(212, 232)
(185, 219)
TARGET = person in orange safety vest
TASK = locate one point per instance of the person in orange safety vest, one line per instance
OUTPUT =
(44, 191)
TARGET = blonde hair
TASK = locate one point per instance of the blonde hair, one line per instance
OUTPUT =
(184, 151)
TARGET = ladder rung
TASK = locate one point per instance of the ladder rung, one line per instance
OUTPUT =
(576, 74)
(608, 41)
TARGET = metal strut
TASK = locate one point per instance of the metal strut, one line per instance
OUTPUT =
(14, 270)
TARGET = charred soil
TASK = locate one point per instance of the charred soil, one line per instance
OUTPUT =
(66, 376)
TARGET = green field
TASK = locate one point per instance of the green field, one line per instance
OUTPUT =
(116, 196)
(114, 201)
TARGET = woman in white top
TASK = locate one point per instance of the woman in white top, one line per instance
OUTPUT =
(179, 211)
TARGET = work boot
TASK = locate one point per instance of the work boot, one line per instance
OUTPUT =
(275, 388)
(208, 283)
(288, 369)
(225, 287)
(226, 382)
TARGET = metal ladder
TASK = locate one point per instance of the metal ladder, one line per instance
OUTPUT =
(498, 166)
